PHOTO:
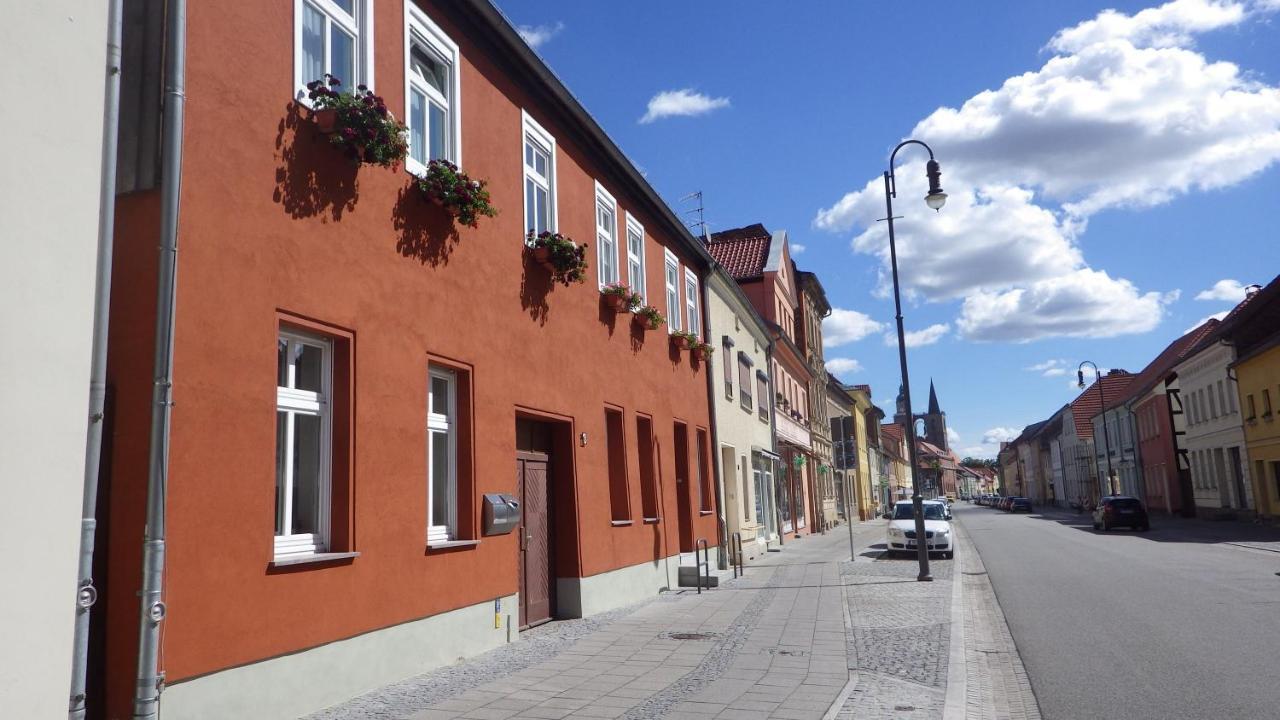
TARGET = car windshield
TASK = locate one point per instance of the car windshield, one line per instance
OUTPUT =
(1125, 503)
(932, 511)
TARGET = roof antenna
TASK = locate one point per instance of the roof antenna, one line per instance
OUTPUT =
(702, 220)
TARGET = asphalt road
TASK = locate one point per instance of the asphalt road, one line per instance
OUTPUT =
(1167, 624)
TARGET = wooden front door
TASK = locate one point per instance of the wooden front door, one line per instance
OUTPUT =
(535, 538)
(684, 506)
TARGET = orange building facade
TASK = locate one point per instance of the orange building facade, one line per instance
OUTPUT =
(355, 373)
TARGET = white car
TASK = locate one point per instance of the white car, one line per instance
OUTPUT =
(901, 534)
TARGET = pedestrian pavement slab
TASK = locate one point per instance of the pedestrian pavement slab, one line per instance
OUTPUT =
(805, 633)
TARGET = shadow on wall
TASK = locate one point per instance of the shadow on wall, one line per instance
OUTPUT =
(534, 288)
(314, 178)
(637, 336)
(427, 232)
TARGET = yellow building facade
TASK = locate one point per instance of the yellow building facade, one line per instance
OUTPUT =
(1258, 381)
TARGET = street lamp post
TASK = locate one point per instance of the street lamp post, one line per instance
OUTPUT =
(935, 199)
(1102, 403)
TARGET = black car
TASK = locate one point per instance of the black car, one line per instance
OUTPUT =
(1020, 504)
(1121, 510)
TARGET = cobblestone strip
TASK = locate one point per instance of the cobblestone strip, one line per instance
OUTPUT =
(997, 684)
(899, 639)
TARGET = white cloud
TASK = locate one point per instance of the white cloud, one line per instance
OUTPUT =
(796, 248)
(1229, 290)
(1027, 165)
(953, 437)
(919, 338)
(842, 327)
(841, 366)
(1085, 303)
(997, 435)
(672, 103)
(978, 451)
(1050, 368)
(538, 35)
(1203, 320)
(1169, 25)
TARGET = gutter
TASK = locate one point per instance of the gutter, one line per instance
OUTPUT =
(86, 593)
(150, 680)
(722, 527)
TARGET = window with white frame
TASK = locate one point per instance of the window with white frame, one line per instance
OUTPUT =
(442, 455)
(334, 37)
(432, 92)
(635, 258)
(672, 277)
(691, 302)
(606, 236)
(304, 378)
(539, 178)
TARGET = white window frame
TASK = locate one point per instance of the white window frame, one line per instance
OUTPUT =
(448, 426)
(532, 132)
(361, 28)
(673, 290)
(417, 23)
(606, 235)
(638, 280)
(691, 304)
(304, 402)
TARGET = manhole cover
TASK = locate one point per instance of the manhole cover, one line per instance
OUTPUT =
(691, 636)
(904, 708)
(792, 653)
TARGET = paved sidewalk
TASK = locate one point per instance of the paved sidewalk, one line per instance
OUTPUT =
(805, 634)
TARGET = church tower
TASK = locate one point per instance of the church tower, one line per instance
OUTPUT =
(935, 421)
(900, 415)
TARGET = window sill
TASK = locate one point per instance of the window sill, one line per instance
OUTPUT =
(652, 521)
(621, 523)
(313, 559)
(450, 544)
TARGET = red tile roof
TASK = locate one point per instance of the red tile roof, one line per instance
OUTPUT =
(1158, 368)
(1084, 407)
(742, 251)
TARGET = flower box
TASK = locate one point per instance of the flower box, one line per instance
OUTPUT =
(358, 122)
(448, 187)
(649, 318)
(325, 120)
(561, 256)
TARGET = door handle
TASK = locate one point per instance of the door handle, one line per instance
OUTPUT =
(524, 540)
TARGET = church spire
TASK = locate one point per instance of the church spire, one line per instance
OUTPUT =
(933, 400)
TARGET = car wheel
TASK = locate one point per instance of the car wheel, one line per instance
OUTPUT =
(950, 555)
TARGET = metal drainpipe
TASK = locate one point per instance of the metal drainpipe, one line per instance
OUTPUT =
(86, 593)
(722, 530)
(146, 700)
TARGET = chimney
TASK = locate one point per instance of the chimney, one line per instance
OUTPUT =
(1251, 290)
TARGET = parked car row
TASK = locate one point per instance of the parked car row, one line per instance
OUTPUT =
(1008, 503)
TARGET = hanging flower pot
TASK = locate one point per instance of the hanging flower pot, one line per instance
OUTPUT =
(561, 256)
(448, 187)
(683, 340)
(619, 298)
(649, 318)
(326, 120)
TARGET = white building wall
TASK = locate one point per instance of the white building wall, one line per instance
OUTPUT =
(49, 184)
(1214, 431)
(739, 428)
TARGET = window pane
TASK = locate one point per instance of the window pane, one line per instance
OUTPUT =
(437, 129)
(417, 127)
(439, 396)
(342, 55)
(427, 66)
(530, 206)
(528, 155)
(282, 440)
(348, 5)
(282, 362)
(540, 163)
(439, 478)
(312, 43)
(634, 276)
(542, 215)
(306, 474)
(309, 360)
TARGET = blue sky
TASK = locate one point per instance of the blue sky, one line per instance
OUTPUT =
(1106, 167)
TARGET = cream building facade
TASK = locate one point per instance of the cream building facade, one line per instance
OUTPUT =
(743, 414)
(1214, 439)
